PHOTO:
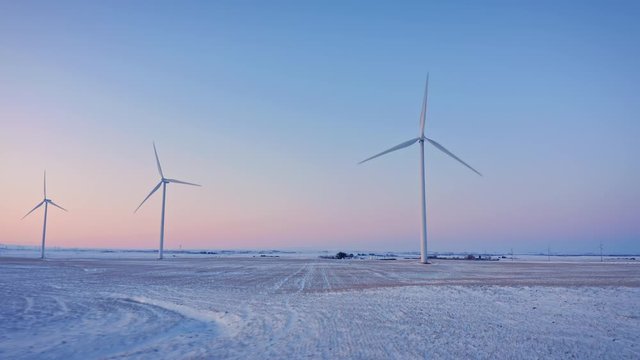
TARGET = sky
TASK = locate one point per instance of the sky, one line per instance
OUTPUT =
(270, 105)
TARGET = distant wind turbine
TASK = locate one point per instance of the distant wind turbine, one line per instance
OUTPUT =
(46, 203)
(163, 182)
(420, 139)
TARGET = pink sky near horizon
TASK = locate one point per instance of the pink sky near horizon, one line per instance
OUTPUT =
(240, 212)
(544, 105)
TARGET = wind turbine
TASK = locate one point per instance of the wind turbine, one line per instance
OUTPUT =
(421, 139)
(163, 182)
(46, 203)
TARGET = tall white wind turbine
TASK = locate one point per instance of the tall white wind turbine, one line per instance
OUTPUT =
(163, 182)
(421, 139)
(46, 203)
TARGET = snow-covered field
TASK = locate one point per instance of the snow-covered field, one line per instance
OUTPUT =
(246, 308)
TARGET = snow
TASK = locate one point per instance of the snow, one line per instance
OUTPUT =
(257, 308)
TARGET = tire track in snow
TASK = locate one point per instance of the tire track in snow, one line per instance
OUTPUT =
(326, 278)
(280, 283)
(287, 310)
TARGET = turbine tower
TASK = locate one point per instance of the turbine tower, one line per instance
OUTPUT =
(421, 139)
(46, 203)
(163, 182)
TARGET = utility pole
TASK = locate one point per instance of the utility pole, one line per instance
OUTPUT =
(511, 254)
(548, 253)
(601, 258)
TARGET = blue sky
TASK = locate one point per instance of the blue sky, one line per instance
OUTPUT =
(271, 105)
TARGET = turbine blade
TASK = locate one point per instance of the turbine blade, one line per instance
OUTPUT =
(181, 182)
(34, 209)
(148, 196)
(423, 113)
(45, 184)
(58, 206)
(397, 147)
(158, 160)
(441, 148)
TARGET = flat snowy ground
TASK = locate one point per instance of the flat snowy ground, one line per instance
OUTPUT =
(312, 308)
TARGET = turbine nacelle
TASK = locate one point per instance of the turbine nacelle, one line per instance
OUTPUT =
(421, 138)
(45, 200)
(163, 180)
